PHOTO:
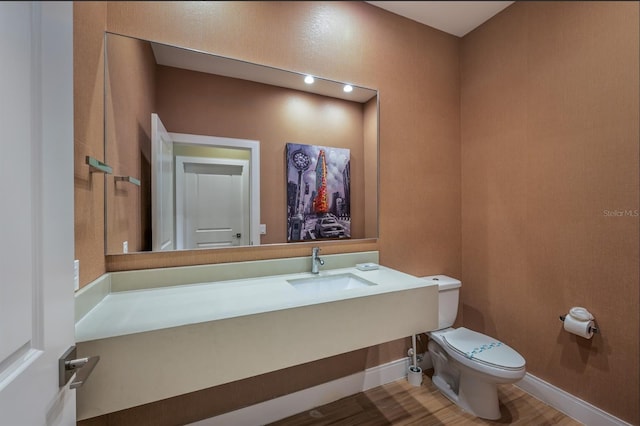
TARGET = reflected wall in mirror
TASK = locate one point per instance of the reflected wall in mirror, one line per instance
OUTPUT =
(214, 110)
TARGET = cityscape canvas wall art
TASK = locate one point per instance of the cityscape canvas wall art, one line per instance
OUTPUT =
(318, 192)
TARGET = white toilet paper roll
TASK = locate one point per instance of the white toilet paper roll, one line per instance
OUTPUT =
(578, 327)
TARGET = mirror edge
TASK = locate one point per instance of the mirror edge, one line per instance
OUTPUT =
(154, 259)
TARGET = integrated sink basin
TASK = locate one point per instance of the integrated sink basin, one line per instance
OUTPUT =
(329, 284)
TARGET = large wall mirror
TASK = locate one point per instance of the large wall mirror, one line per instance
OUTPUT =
(198, 148)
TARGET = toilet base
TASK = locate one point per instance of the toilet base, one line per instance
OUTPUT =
(480, 396)
(469, 391)
(478, 399)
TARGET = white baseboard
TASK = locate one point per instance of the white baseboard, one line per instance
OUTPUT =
(570, 405)
(288, 405)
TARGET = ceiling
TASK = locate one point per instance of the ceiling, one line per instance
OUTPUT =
(453, 17)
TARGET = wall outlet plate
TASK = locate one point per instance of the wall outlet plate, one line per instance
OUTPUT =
(125, 247)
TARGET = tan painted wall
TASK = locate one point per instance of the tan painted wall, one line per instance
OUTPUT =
(549, 145)
(371, 161)
(130, 99)
(419, 145)
(90, 20)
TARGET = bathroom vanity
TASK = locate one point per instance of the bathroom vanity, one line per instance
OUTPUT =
(166, 332)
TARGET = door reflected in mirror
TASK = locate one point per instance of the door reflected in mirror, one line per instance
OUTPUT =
(216, 174)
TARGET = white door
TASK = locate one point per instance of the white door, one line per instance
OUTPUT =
(252, 212)
(213, 201)
(36, 218)
(162, 205)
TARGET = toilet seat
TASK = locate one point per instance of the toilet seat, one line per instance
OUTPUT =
(481, 353)
(484, 349)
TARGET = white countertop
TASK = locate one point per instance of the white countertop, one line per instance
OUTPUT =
(128, 312)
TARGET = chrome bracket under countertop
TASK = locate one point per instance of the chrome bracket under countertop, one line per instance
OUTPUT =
(68, 365)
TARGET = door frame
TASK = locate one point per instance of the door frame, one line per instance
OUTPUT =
(254, 171)
(181, 194)
(162, 192)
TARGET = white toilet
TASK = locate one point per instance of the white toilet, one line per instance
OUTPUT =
(468, 365)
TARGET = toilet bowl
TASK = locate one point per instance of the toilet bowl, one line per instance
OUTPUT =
(469, 365)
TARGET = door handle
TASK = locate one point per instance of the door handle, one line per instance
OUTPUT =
(68, 365)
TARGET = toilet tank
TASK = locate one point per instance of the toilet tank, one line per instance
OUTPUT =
(448, 295)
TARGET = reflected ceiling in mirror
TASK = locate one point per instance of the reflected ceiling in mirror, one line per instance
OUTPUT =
(172, 56)
(215, 109)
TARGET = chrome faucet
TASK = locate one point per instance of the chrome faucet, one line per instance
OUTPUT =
(316, 261)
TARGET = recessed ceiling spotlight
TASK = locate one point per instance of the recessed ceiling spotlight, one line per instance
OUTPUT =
(348, 88)
(309, 79)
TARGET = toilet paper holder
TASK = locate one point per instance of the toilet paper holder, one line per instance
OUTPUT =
(591, 329)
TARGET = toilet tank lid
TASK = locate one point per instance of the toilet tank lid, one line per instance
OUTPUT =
(444, 282)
